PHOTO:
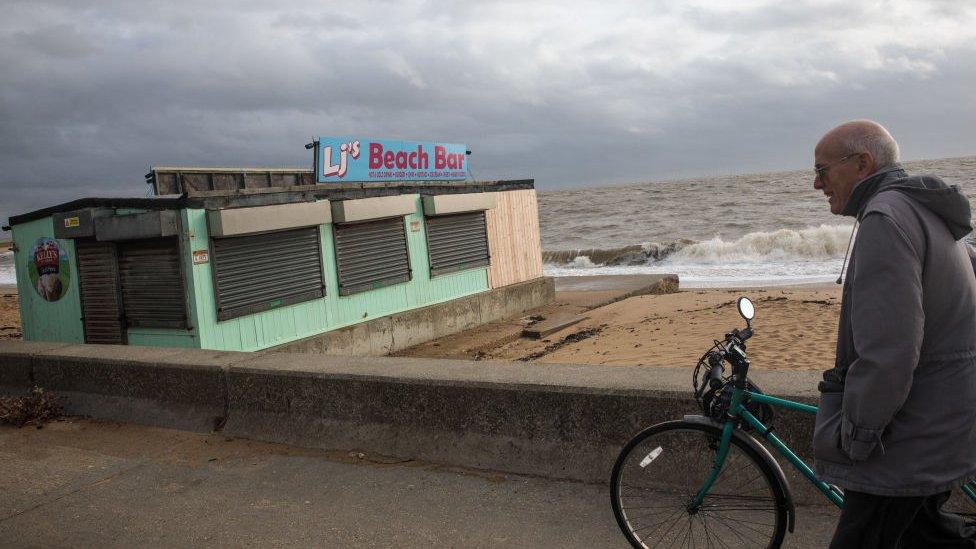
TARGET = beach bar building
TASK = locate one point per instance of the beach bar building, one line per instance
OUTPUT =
(253, 259)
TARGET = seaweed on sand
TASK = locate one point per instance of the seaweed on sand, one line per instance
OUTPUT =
(36, 408)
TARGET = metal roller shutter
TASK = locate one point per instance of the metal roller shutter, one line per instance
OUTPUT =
(457, 242)
(371, 255)
(152, 283)
(101, 301)
(258, 272)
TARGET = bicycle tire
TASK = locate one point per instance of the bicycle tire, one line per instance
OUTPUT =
(680, 455)
(961, 504)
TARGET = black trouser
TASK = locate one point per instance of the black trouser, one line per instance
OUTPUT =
(869, 522)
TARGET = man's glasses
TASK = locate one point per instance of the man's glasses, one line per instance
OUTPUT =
(821, 171)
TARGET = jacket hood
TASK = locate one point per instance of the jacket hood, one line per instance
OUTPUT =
(945, 201)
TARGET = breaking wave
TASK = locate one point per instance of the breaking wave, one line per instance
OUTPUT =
(822, 242)
(7, 275)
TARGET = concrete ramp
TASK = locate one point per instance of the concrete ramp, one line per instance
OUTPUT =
(599, 290)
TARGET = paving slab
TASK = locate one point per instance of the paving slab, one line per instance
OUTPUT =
(82, 483)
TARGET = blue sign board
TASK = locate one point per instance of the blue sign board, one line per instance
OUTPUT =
(363, 159)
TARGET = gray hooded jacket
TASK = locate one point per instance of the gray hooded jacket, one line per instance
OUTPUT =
(897, 412)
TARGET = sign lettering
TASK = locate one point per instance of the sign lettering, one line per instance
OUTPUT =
(363, 159)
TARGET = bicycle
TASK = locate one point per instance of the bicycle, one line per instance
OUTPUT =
(704, 480)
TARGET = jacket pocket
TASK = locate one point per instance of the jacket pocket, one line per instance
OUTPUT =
(826, 432)
(859, 442)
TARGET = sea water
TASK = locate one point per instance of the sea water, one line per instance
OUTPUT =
(7, 275)
(754, 229)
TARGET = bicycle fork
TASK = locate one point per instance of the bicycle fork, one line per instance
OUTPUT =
(723, 452)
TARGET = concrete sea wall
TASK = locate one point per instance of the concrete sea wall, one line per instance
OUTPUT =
(555, 420)
(385, 335)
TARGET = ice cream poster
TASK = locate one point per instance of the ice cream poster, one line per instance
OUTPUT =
(49, 269)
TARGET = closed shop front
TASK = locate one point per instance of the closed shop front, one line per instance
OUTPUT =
(255, 273)
(266, 257)
(457, 242)
(371, 254)
(130, 284)
(457, 235)
(152, 283)
(101, 297)
(371, 242)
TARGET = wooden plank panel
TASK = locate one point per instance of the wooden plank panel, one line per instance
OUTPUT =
(514, 239)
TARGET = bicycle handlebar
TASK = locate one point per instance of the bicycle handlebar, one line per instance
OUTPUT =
(733, 340)
(741, 335)
(715, 370)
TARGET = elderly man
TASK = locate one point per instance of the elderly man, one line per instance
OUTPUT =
(896, 427)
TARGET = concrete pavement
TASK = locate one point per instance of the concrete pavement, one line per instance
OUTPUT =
(83, 483)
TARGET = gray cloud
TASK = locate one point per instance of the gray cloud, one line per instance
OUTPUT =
(92, 95)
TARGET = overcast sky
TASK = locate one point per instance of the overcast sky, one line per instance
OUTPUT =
(94, 92)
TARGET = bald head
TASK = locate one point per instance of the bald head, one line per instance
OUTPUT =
(848, 154)
(861, 136)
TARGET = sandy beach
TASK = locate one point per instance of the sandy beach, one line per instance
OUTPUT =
(795, 329)
(9, 313)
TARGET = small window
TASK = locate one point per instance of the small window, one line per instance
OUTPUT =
(457, 242)
(371, 254)
(257, 272)
(152, 283)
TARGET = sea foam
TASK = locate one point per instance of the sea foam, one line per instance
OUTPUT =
(7, 275)
(821, 242)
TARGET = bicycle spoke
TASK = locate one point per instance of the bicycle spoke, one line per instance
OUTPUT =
(662, 506)
(744, 523)
(685, 535)
(664, 535)
(705, 533)
(731, 529)
(737, 529)
(718, 538)
(770, 509)
(659, 524)
(704, 520)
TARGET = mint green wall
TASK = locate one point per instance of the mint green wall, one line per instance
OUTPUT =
(44, 320)
(61, 320)
(162, 337)
(292, 322)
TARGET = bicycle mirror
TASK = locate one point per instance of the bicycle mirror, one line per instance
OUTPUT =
(746, 309)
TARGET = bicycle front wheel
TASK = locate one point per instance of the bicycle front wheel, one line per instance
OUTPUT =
(660, 471)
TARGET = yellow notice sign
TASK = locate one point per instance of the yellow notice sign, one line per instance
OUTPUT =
(71, 222)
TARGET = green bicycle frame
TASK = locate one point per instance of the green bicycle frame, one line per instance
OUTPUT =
(737, 410)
